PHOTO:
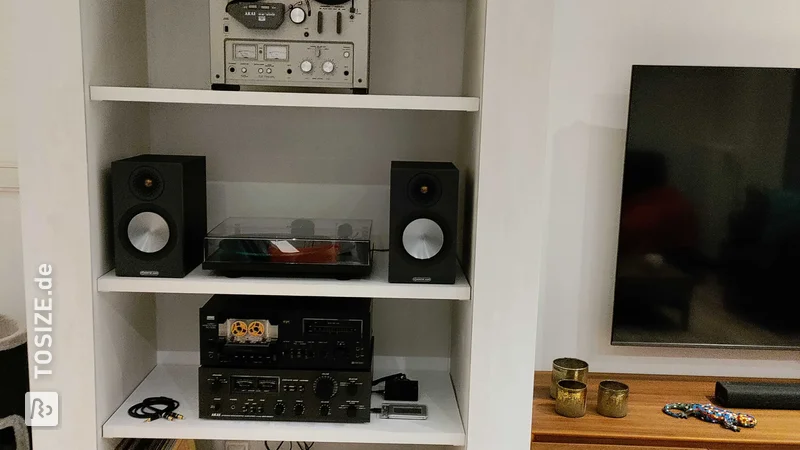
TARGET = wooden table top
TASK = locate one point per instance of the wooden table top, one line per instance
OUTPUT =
(646, 424)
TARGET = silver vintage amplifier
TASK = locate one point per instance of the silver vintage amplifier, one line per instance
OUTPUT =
(317, 44)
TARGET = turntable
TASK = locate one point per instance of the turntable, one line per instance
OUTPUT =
(290, 247)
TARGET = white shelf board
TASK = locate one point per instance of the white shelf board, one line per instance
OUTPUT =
(249, 98)
(377, 285)
(443, 426)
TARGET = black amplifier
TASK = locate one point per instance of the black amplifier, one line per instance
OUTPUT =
(286, 332)
(285, 395)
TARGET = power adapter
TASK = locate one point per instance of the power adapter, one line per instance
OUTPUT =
(398, 388)
(401, 390)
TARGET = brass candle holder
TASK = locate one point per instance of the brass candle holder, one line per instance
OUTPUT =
(612, 399)
(571, 398)
(568, 369)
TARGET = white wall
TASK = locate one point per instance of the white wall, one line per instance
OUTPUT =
(12, 289)
(12, 295)
(595, 44)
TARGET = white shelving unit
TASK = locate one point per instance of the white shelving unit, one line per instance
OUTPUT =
(443, 426)
(201, 281)
(246, 98)
(447, 83)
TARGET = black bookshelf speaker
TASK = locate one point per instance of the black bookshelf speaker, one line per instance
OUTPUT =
(423, 222)
(159, 212)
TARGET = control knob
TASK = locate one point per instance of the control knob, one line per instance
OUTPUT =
(298, 15)
(325, 387)
(299, 409)
(216, 384)
(352, 411)
(340, 352)
(306, 66)
(328, 67)
(324, 410)
(280, 408)
(352, 389)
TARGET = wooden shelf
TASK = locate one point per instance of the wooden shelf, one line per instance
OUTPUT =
(646, 424)
(377, 285)
(248, 98)
(443, 426)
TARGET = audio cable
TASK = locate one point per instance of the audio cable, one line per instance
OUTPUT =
(149, 409)
(300, 445)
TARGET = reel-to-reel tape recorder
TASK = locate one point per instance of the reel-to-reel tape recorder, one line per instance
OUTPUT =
(318, 44)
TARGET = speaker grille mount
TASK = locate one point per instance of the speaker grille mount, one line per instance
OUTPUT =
(148, 232)
(423, 239)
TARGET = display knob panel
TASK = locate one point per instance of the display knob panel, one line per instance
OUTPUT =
(284, 395)
(300, 45)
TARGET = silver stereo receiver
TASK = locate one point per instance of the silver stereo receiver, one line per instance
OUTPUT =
(318, 44)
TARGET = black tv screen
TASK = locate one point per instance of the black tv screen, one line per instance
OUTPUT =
(709, 239)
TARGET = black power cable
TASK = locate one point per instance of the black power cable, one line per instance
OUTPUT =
(301, 445)
(397, 376)
(149, 409)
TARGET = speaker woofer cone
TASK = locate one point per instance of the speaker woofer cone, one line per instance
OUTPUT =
(423, 239)
(148, 232)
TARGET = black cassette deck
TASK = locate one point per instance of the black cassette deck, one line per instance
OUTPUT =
(285, 395)
(286, 332)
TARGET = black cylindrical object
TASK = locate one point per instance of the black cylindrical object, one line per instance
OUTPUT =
(13, 376)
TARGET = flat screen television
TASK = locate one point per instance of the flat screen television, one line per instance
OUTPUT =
(709, 238)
